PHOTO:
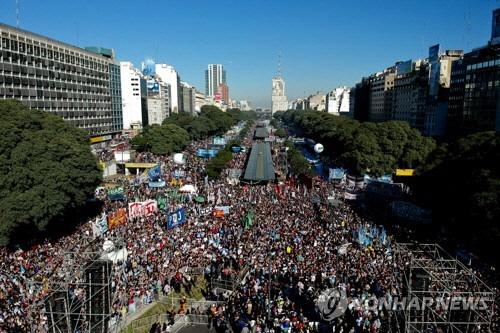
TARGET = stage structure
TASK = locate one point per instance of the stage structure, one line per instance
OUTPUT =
(447, 296)
(77, 293)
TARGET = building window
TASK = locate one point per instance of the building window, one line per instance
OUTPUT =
(5, 43)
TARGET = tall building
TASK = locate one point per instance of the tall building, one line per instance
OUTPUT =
(188, 98)
(278, 98)
(199, 101)
(114, 85)
(410, 92)
(65, 80)
(158, 96)
(169, 76)
(214, 76)
(134, 96)
(360, 100)
(223, 90)
(381, 95)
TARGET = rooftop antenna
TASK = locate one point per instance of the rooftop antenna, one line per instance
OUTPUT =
(423, 35)
(279, 64)
(156, 49)
(77, 35)
(17, 13)
(469, 26)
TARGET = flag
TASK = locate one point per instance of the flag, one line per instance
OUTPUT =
(206, 180)
(155, 172)
(161, 201)
(248, 221)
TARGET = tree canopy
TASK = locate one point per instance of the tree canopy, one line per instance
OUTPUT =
(161, 139)
(46, 168)
(380, 148)
(461, 182)
(211, 122)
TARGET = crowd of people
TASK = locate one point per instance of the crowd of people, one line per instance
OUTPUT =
(291, 251)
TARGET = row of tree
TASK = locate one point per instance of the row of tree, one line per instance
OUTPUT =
(378, 147)
(211, 121)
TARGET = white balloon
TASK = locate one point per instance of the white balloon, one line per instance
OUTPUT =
(318, 148)
(179, 159)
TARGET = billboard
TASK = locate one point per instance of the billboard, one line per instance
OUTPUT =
(153, 88)
(404, 67)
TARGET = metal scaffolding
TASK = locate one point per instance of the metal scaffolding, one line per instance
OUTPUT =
(442, 294)
(77, 293)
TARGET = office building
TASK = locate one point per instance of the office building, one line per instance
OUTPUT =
(65, 80)
(214, 76)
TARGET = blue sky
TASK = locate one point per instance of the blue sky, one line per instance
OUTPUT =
(324, 44)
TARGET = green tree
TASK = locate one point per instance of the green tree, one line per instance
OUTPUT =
(167, 139)
(46, 168)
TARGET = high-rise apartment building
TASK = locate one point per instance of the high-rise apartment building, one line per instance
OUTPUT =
(338, 101)
(188, 100)
(65, 80)
(214, 76)
(134, 96)
(158, 96)
(381, 94)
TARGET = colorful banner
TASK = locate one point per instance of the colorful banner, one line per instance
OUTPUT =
(353, 181)
(225, 209)
(336, 173)
(116, 193)
(207, 152)
(157, 184)
(100, 226)
(411, 212)
(217, 213)
(404, 172)
(179, 173)
(353, 195)
(144, 208)
(117, 218)
(219, 141)
(154, 172)
(175, 218)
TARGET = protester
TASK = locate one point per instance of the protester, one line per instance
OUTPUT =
(285, 249)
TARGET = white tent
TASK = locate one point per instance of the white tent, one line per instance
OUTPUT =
(188, 189)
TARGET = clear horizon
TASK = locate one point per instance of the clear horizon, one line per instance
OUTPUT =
(323, 44)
